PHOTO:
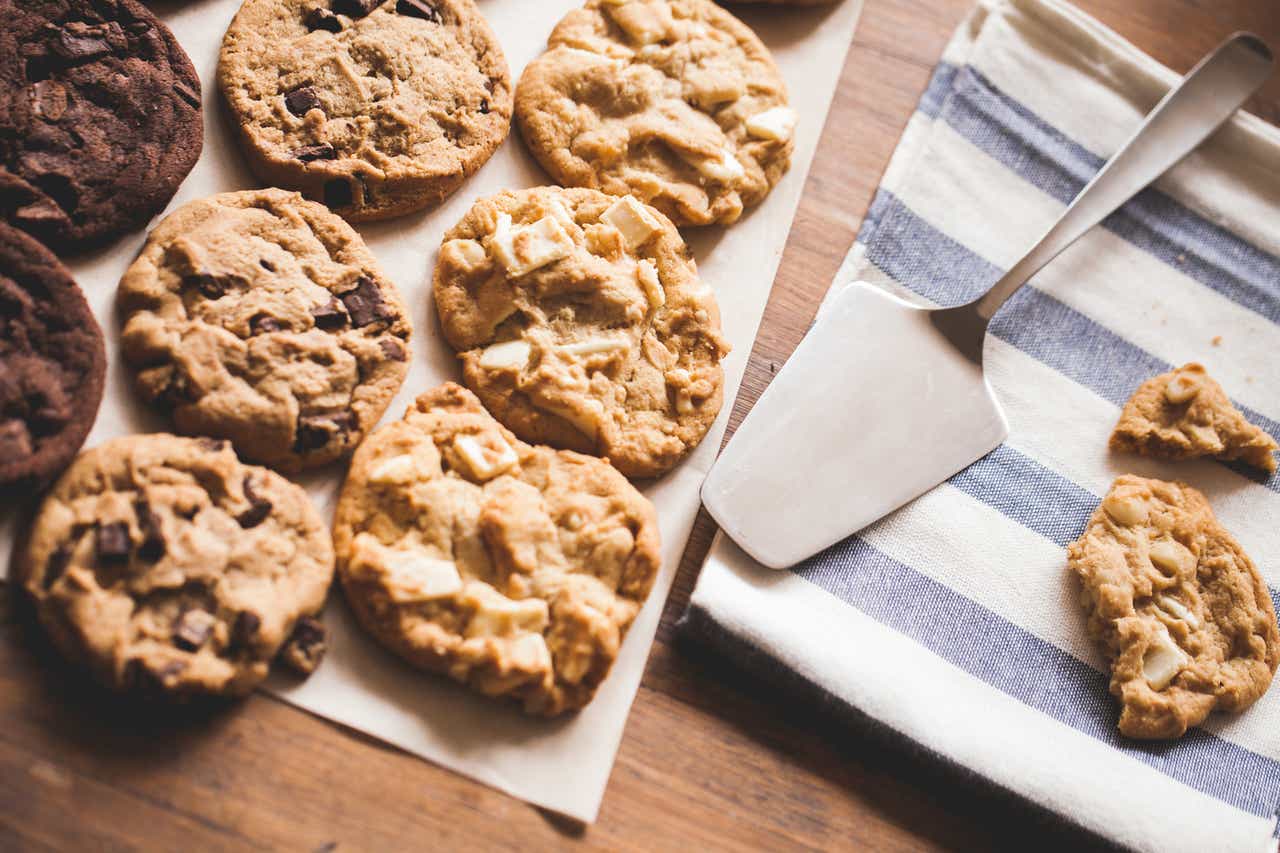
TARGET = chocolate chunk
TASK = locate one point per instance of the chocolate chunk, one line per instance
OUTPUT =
(41, 212)
(484, 107)
(316, 430)
(338, 193)
(15, 440)
(322, 19)
(418, 9)
(56, 566)
(302, 99)
(262, 323)
(311, 153)
(245, 630)
(364, 303)
(77, 42)
(60, 188)
(391, 349)
(209, 285)
(267, 265)
(139, 676)
(192, 629)
(306, 646)
(355, 8)
(331, 315)
(190, 94)
(48, 99)
(213, 445)
(153, 546)
(111, 542)
(259, 507)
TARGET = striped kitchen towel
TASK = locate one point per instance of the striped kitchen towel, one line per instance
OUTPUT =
(954, 621)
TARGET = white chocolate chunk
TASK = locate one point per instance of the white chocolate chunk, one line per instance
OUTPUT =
(397, 469)
(496, 615)
(408, 574)
(508, 355)
(586, 419)
(466, 253)
(633, 221)
(776, 124)
(724, 167)
(647, 276)
(530, 652)
(594, 346)
(1181, 388)
(710, 87)
(1125, 508)
(1163, 660)
(525, 248)
(1178, 610)
(1172, 557)
(484, 463)
(642, 22)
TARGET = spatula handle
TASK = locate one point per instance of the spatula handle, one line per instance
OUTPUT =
(1184, 118)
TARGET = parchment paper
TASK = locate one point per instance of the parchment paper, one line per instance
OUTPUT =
(562, 765)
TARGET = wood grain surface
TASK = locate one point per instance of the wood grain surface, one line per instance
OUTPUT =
(712, 758)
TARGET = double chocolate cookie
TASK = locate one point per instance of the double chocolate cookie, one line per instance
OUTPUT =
(263, 318)
(166, 565)
(374, 107)
(52, 363)
(99, 118)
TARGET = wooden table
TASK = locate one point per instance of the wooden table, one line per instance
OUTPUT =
(712, 758)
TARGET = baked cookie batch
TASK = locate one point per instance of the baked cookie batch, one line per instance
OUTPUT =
(492, 534)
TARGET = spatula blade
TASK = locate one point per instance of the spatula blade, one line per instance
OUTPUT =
(873, 409)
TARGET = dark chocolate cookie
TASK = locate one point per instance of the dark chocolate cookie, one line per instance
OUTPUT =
(99, 118)
(52, 363)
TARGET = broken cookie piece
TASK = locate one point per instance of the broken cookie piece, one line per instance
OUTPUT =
(1181, 611)
(1185, 414)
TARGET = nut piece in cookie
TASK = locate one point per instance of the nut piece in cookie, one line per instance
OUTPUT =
(1185, 618)
(52, 364)
(581, 323)
(99, 118)
(675, 102)
(262, 318)
(166, 565)
(1185, 414)
(513, 568)
(374, 107)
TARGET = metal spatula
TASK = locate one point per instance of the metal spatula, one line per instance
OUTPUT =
(883, 400)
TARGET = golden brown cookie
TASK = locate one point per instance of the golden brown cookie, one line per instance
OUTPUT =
(374, 107)
(514, 569)
(1184, 414)
(676, 102)
(165, 564)
(582, 323)
(1180, 609)
(261, 317)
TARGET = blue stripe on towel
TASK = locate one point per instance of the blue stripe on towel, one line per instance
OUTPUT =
(922, 258)
(1031, 670)
(1154, 222)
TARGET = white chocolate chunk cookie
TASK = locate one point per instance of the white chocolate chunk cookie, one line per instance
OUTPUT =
(512, 568)
(675, 102)
(168, 566)
(1180, 609)
(374, 107)
(262, 318)
(581, 323)
(1185, 414)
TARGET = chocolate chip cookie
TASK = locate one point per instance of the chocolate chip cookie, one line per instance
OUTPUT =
(1184, 414)
(99, 118)
(581, 323)
(52, 363)
(673, 101)
(374, 107)
(1178, 606)
(166, 565)
(262, 318)
(515, 569)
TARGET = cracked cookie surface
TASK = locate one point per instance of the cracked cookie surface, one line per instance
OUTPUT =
(676, 102)
(374, 107)
(1181, 611)
(581, 323)
(263, 318)
(1184, 414)
(515, 569)
(166, 565)
(52, 364)
(99, 118)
